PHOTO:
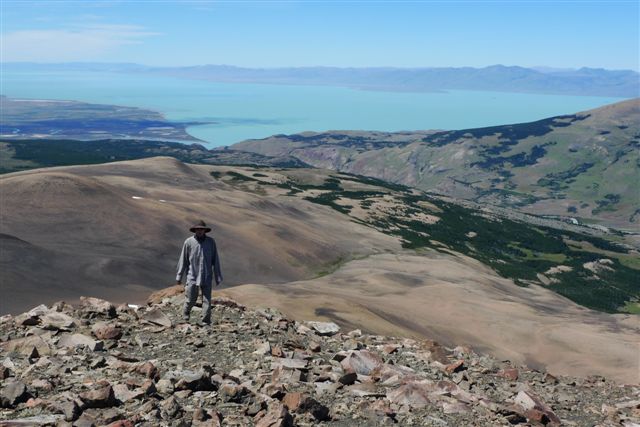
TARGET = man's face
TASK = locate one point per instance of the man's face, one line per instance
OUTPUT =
(200, 232)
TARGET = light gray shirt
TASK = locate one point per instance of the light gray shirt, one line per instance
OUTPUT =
(199, 259)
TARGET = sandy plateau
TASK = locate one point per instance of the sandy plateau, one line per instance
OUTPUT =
(114, 231)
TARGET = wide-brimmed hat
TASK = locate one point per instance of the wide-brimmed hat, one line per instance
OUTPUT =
(200, 224)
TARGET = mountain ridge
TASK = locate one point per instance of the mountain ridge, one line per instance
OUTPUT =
(583, 81)
(580, 165)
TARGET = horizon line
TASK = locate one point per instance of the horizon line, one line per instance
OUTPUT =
(256, 67)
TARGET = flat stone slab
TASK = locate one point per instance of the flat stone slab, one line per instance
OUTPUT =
(79, 340)
(324, 328)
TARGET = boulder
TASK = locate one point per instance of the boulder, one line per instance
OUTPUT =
(26, 345)
(31, 317)
(98, 306)
(362, 362)
(101, 397)
(58, 321)
(414, 394)
(106, 331)
(13, 393)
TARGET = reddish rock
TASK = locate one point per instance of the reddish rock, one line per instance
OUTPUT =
(276, 351)
(171, 291)
(510, 374)
(292, 400)
(32, 403)
(391, 348)
(147, 369)
(102, 397)
(413, 394)
(276, 415)
(302, 403)
(106, 331)
(456, 366)
(362, 362)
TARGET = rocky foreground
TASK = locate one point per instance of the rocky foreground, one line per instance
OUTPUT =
(97, 364)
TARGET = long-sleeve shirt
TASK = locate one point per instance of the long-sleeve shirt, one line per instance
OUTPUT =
(199, 259)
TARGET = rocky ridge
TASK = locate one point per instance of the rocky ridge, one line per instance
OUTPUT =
(98, 364)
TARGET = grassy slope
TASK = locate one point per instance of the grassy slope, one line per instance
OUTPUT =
(514, 249)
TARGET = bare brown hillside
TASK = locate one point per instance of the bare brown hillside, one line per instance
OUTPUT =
(115, 231)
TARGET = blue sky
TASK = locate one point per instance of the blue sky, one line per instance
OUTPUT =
(602, 34)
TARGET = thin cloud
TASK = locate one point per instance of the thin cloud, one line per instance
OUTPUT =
(88, 42)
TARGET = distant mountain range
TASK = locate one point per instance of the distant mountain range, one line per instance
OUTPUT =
(583, 81)
(584, 165)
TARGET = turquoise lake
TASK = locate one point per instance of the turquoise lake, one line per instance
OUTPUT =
(240, 111)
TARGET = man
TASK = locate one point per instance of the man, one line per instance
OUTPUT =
(199, 259)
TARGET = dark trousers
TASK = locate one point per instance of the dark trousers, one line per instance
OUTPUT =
(191, 294)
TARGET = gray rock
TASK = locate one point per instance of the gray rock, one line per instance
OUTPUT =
(324, 328)
(13, 393)
(170, 408)
(289, 363)
(58, 321)
(31, 317)
(190, 380)
(37, 420)
(156, 317)
(98, 306)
